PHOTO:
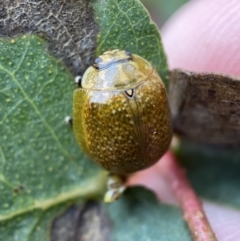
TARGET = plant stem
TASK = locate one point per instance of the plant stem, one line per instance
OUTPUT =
(190, 204)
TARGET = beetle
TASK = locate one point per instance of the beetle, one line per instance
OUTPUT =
(121, 116)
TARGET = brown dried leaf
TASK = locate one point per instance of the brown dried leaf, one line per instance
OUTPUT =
(205, 107)
(68, 27)
(88, 222)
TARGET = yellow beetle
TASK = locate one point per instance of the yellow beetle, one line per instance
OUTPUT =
(121, 116)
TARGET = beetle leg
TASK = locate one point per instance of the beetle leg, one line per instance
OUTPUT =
(68, 120)
(78, 80)
(115, 187)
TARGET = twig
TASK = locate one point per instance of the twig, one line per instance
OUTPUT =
(190, 204)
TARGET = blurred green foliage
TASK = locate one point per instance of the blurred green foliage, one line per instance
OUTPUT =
(161, 10)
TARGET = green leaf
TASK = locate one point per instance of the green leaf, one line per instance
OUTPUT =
(138, 215)
(213, 171)
(126, 24)
(164, 8)
(34, 225)
(41, 165)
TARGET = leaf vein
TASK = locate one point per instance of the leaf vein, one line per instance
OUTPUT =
(38, 113)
